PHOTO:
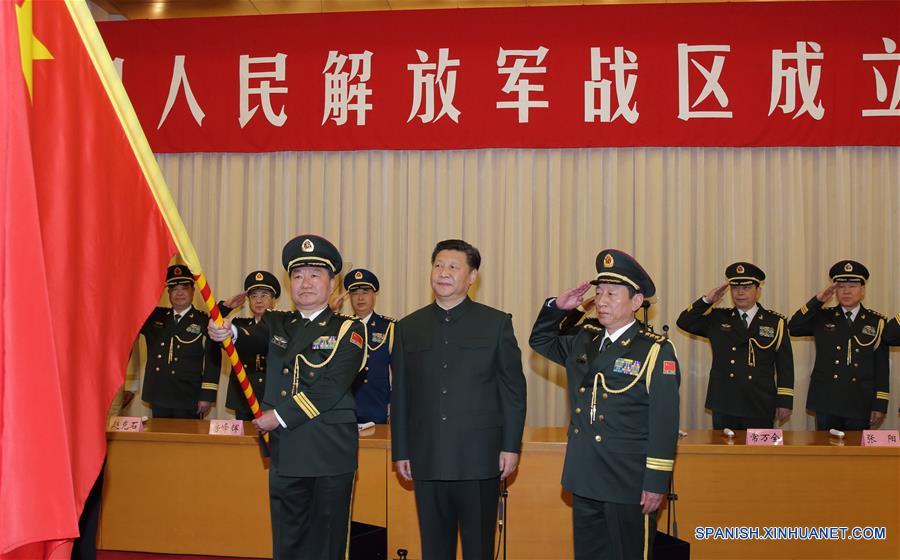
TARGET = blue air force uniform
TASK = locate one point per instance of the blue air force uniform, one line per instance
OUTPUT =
(372, 388)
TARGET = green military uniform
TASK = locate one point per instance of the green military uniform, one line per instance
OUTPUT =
(182, 365)
(458, 401)
(851, 376)
(624, 425)
(753, 365)
(310, 367)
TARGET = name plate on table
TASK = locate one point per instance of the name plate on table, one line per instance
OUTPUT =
(125, 424)
(226, 427)
(880, 438)
(758, 436)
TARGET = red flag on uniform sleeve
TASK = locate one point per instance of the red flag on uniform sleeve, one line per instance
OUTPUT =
(84, 248)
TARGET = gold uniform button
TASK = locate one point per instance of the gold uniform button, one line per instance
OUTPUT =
(856, 349)
(853, 379)
(577, 430)
(283, 393)
(855, 365)
(598, 438)
(749, 377)
(158, 356)
(578, 410)
(836, 362)
(835, 376)
(730, 375)
(732, 361)
(365, 380)
(285, 371)
(605, 396)
(175, 359)
(837, 347)
(601, 418)
(157, 369)
(581, 390)
(733, 349)
(162, 343)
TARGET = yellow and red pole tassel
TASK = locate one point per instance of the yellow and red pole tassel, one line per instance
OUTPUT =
(237, 367)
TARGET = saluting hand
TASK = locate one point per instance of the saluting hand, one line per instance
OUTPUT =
(219, 333)
(338, 302)
(826, 294)
(716, 293)
(571, 298)
(236, 300)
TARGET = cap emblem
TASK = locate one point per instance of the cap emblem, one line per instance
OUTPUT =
(358, 275)
(259, 276)
(848, 267)
(307, 246)
(740, 269)
(177, 270)
(608, 261)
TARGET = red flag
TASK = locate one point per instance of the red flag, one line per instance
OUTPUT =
(84, 249)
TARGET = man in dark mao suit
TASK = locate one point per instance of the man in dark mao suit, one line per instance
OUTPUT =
(458, 408)
(314, 356)
(849, 386)
(623, 389)
(752, 376)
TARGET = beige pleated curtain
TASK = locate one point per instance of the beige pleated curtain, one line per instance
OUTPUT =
(539, 218)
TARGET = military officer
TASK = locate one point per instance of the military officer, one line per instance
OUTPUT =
(458, 408)
(313, 357)
(752, 375)
(849, 387)
(182, 373)
(623, 389)
(261, 288)
(372, 388)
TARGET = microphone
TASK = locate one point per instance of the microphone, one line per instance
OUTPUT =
(402, 552)
(665, 329)
(729, 433)
(836, 433)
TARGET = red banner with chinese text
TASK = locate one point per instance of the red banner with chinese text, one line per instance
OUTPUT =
(731, 74)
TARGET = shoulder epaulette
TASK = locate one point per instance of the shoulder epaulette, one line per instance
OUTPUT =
(777, 314)
(391, 319)
(832, 308)
(345, 316)
(592, 328)
(877, 314)
(652, 336)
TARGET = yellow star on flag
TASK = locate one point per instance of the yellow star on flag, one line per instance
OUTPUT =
(30, 48)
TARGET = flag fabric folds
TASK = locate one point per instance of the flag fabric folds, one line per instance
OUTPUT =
(85, 242)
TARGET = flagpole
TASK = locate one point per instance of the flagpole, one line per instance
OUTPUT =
(99, 55)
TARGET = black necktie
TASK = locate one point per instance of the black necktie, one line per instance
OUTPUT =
(177, 318)
(746, 320)
(607, 342)
(849, 316)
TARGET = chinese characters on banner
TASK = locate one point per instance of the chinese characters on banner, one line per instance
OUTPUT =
(732, 74)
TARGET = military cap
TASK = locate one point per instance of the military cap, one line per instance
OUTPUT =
(360, 278)
(262, 279)
(744, 274)
(179, 274)
(311, 250)
(616, 267)
(849, 271)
